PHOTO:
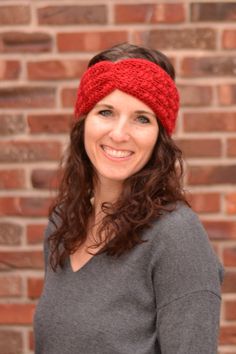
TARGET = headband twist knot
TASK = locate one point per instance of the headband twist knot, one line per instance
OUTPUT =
(140, 78)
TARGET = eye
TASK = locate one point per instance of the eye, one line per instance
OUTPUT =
(105, 112)
(143, 119)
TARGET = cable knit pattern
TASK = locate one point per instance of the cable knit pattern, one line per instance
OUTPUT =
(138, 77)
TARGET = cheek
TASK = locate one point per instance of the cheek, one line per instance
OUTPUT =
(92, 136)
(94, 129)
(149, 142)
(89, 144)
(88, 139)
(89, 132)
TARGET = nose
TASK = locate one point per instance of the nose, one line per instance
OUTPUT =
(120, 131)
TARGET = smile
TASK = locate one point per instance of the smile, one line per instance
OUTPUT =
(116, 153)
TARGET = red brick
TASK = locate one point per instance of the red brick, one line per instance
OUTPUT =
(34, 287)
(216, 11)
(30, 151)
(231, 147)
(221, 229)
(9, 69)
(229, 257)
(209, 122)
(72, 15)
(12, 124)
(227, 336)
(227, 95)
(22, 42)
(24, 206)
(10, 234)
(10, 285)
(21, 260)
(14, 15)
(205, 175)
(200, 147)
(89, 41)
(12, 179)
(31, 340)
(68, 97)
(230, 200)
(45, 179)
(216, 248)
(153, 13)
(50, 123)
(11, 342)
(230, 310)
(192, 95)
(56, 69)
(229, 39)
(27, 97)
(188, 38)
(16, 313)
(208, 66)
(35, 233)
(229, 284)
(205, 202)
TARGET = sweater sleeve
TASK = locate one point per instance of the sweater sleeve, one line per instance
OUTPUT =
(50, 228)
(187, 277)
(47, 233)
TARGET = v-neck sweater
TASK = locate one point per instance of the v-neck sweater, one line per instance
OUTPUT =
(161, 297)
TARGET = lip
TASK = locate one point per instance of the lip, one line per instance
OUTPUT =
(113, 158)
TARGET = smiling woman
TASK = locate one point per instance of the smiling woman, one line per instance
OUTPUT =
(119, 141)
(128, 265)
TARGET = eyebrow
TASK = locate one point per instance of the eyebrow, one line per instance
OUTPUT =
(145, 112)
(111, 107)
(104, 105)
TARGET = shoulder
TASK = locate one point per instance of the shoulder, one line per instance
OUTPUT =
(181, 216)
(179, 238)
(181, 224)
(53, 223)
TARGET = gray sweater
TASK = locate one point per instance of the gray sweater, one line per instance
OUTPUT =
(161, 297)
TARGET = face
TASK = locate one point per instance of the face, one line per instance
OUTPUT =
(119, 137)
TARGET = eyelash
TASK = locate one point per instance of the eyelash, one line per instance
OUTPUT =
(108, 113)
(104, 112)
(146, 118)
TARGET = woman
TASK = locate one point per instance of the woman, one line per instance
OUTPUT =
(129, 269)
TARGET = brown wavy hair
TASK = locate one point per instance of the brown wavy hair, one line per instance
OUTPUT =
(145, 195)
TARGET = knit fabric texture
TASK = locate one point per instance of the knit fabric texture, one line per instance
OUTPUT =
(161, 297)
(140, 78)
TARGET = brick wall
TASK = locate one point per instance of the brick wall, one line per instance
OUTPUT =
(44, 48)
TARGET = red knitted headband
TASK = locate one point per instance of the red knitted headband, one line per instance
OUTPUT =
(138, 77)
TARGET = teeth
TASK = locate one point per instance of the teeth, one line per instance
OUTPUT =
(116, 153)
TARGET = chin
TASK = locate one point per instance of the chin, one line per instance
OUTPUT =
(117, 178)
(114, 177)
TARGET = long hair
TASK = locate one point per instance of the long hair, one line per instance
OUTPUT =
(144, 197)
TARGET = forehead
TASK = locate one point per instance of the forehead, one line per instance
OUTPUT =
(120, 99)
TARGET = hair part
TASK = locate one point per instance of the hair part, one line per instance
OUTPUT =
(129, 51)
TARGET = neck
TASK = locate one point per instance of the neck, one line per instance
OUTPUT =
(103, 192)
(106, 192)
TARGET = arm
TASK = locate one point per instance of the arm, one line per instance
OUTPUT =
(50, 228)
(47, 233)
(186, 280)
(53, 222)
(190, 324)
